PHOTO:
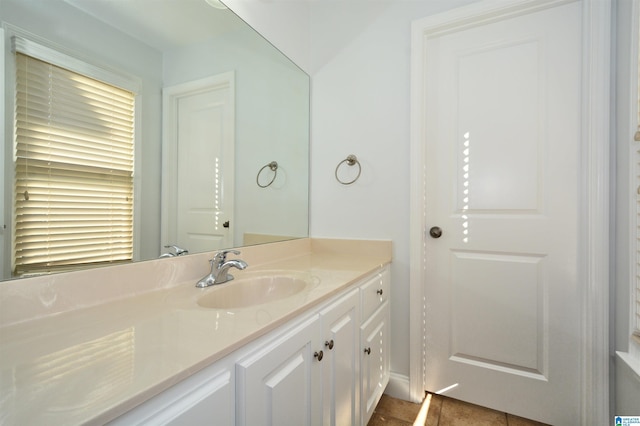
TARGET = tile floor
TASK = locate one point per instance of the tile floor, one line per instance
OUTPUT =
(442, 411)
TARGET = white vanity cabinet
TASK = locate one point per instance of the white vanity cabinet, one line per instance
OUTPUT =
(309, 375)
(207, 397)
(328, 366)
(375, 342)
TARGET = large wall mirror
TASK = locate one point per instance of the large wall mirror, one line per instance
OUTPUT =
(221, 120)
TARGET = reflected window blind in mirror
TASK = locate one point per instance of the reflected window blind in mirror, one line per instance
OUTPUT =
(74, 158)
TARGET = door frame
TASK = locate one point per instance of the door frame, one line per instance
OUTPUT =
(5, 248)
(170, 98)
(594, 190)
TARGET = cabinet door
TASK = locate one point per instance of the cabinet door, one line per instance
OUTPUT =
(205, 398)
(375, 360)
(280, 384)
(341, 363)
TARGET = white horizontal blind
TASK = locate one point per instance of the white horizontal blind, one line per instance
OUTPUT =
(637, 262)
(637, 233)
(73, 169)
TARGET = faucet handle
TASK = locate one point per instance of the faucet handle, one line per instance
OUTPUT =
(178, 250)
(221, 256)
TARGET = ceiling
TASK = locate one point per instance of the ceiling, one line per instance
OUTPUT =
(162, 24)
(321, 27)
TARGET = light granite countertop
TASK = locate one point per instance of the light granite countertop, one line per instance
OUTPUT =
(93, 363)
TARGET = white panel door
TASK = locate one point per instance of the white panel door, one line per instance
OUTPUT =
(199, 164)
(502, 138)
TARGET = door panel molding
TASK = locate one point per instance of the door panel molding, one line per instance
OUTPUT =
(527, 332)
(593, 249)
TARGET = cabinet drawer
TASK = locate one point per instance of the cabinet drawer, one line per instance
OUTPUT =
(374, 292)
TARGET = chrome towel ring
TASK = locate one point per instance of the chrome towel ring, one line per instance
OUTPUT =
(350, 160)
(274, 168)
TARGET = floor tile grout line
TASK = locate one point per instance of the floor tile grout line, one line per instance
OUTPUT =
(436, 419)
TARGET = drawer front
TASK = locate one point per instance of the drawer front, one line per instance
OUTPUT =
(374, 292)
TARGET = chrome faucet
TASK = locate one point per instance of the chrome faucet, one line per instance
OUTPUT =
(178, 251)
(220, 269)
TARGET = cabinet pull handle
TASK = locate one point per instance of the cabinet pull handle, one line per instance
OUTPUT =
(318, 355)
(367, 351)
(379, 292)
(329, 344)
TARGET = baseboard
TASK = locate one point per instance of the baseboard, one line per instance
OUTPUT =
(398, 387)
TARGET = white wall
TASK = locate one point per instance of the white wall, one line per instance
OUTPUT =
(361, 106)
(358, 57)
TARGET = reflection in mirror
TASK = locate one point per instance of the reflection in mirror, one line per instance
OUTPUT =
(214, 103)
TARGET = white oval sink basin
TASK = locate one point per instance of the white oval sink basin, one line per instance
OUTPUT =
(253, 291)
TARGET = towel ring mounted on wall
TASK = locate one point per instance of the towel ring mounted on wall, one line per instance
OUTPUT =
(350, 161)
(274, 168)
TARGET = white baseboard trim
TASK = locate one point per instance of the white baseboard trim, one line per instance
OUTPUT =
(399, 387)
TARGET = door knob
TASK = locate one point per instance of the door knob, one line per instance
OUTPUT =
(435, 232)
(226, 224)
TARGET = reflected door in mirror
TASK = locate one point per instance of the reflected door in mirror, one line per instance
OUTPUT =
(202, 121)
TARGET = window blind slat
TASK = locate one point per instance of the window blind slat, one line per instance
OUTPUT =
(73, 191)
(42, 92)
(41, 71)
(96, 118)
(113, 125)
(74, 173)
(44, 154)
(38, 135)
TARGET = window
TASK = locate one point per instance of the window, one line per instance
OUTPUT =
(73, 159)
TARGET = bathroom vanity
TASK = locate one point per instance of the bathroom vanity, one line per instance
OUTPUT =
(314, 350)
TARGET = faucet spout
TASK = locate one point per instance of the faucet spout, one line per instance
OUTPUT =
(223, 272)
(220, 269)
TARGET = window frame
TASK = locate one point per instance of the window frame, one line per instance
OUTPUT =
(16, 39)
(635, 191)
(635, 176)
(631, 135)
